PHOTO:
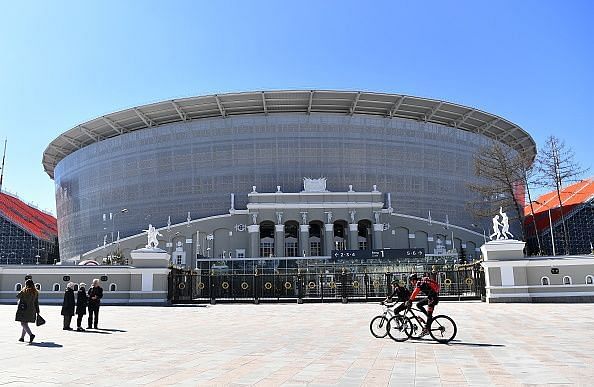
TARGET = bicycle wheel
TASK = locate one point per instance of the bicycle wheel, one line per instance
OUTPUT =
(443, 329)
(399, 328)
(379, 326)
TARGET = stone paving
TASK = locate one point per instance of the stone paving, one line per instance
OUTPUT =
(301, 345)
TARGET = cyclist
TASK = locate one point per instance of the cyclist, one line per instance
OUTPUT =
(431, 289)
(401, 293)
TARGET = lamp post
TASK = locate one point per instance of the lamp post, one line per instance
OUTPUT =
(550, 224)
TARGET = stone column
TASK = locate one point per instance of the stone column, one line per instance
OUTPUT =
(378, 229)
(304, 240)
(328, 239)
(254, 231)
(279, 240)
(353, 236)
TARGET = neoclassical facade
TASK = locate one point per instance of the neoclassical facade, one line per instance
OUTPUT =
(310, 223)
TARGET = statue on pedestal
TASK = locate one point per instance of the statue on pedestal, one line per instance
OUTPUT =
(152, 235)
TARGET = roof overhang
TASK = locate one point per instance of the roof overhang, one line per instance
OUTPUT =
(288, 101)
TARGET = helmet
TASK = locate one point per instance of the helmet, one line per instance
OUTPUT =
(395, 281)
(412, 277)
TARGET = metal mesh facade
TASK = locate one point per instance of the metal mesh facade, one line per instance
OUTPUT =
(193, 166)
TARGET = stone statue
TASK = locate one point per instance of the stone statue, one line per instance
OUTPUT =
(279, 218)
(329, 217)
(304, 217)
(505, 225)
(352, 213)
(254, 218)
(377, 214)
(152, 235)
(502, 233)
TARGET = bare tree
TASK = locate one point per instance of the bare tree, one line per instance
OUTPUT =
(557, 166)
(501, 173)
(530, 174)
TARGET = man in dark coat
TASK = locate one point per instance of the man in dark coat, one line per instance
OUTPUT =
(68, 306)
(81, 305)
(95, 296)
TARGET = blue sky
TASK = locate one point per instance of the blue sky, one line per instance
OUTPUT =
(63, 63)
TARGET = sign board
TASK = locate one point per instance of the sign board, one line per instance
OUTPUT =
(379, 254)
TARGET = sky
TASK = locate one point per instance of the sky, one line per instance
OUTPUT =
(63, 63)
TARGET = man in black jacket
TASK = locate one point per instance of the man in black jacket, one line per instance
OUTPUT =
(95, 295)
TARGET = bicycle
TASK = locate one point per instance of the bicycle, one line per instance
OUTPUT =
(397, 327)
(443, 328)
(379, 324)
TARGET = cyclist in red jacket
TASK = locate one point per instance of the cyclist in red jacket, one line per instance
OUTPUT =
(431, 290)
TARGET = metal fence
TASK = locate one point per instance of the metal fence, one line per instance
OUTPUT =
(322, 285)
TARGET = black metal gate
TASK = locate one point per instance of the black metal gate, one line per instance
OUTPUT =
(186, 286)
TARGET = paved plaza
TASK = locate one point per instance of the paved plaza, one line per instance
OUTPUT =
(298, 345)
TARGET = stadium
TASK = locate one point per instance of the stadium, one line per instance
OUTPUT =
(223, 175)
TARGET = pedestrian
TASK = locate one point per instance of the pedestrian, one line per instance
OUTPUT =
(95, 295)
(28, 309)
(81, 305)
(68, 306)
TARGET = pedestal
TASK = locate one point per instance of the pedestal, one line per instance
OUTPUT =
(150, 257)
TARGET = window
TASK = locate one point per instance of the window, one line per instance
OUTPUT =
(363, 245)
(266, 247)
(178, 260)
(544, 281)
(18, 287)
(567, 280)
(38, 286)
(589, 280)
(113, 287)
(291, 248)
(315, 249)
(56, 287)
(240, 253)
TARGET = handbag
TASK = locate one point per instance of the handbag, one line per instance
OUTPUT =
(39, 320)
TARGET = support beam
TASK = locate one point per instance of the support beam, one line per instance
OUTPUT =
(179, 111)
(147, 121)
(91, 135)
(264, 104)
(354, 105)
(72, 142)
(60, 150)
(221, 108)
(310, 100)
(396, 106)
(483, 128)
(432, 112)
(113, 125)
(463, 118)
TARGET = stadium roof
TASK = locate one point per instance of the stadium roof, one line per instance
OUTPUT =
(572, 196)
(30, 219)
(288, 101)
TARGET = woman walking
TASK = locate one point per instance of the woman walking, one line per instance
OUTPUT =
(81, 305)
(28, 308)
(68, 306)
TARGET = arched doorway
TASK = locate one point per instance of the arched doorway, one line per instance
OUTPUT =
(364, 241)
(315, 239)
(266, 239)
(291, 239)
(340, 235)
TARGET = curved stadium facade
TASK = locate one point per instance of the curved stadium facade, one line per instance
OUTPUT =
(184, 158)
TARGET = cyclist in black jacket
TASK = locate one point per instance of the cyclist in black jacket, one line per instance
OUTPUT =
(401, 293)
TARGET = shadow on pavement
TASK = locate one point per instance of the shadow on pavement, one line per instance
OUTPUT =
(456, 342)
(46, 344)
(94, 331)
(108, 330)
